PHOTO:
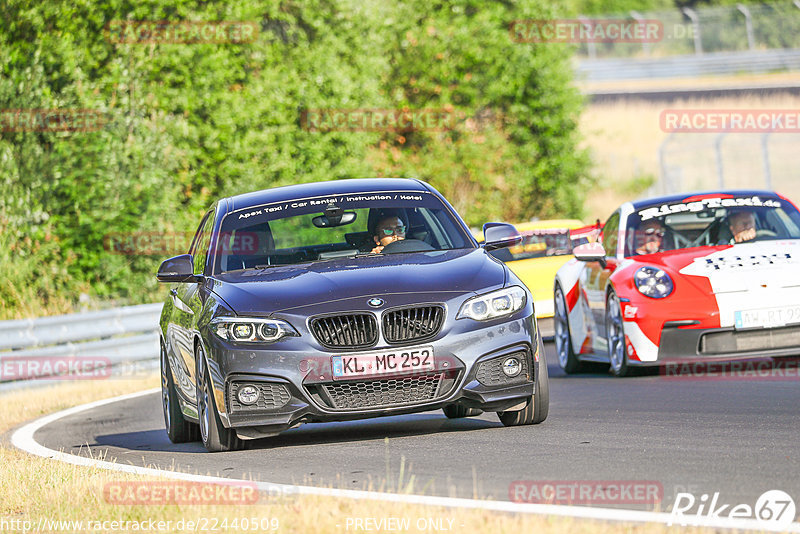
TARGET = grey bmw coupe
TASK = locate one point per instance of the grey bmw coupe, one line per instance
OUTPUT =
(343, 300)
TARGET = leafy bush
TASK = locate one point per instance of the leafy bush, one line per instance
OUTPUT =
(189, 123)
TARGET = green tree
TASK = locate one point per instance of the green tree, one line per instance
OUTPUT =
(515, 154)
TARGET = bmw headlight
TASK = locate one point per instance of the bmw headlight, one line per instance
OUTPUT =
(653, 282)
(251, 329)
(493, 305)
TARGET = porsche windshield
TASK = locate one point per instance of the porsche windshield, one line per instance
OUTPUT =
(710, 221)
(323, 229)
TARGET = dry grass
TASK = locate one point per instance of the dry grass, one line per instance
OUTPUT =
(35, 489)
(624, 139)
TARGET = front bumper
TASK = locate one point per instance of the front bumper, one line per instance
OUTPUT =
(685, 343)
(300, 388)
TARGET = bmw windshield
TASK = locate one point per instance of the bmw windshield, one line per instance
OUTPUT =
(340, 226)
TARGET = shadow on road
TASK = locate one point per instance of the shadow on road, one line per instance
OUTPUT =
(588, 369)
(396, 426)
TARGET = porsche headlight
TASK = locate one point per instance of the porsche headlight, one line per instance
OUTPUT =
(251, 329)
(493, 305)
(653, 282)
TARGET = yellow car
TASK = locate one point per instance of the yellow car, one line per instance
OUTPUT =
(545, 247)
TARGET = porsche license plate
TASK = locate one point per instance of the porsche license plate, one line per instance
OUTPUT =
(767, 317)
(382, 363)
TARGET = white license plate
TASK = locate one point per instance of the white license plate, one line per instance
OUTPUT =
(767, 317)
(386, 362)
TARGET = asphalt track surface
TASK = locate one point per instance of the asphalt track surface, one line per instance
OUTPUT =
(736, 437)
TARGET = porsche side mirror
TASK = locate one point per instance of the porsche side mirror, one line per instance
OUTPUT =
(590, 252)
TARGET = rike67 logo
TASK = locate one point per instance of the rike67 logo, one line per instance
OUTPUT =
(773, 510)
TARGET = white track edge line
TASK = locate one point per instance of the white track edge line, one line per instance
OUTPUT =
(23, 439)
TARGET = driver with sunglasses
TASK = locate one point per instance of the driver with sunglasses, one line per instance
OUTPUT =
(651, 236)
(388, 229)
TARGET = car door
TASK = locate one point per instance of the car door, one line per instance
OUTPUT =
(187, 304)
(594, 280)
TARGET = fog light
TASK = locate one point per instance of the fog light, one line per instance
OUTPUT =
(247, 395)
(512, 367)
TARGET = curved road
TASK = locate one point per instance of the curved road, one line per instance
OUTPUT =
(736, 437)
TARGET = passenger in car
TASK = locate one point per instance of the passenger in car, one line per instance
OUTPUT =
(388, 229)
(651, 237)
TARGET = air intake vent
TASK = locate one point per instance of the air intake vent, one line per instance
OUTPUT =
(385, 393)
(412, 324)
(351, 331)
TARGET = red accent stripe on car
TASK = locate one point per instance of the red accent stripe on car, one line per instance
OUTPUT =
(572, 297)
(586, 347)
(632, 355)
(695, 198)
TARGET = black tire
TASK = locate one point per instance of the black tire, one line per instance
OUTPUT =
(538, 406)
(179, 430)
(215, 437)
(567, 359)
(615, 335)
(455, 411)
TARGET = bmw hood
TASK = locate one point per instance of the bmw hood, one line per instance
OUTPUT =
(281, 288)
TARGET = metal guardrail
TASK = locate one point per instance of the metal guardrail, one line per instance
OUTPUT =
(120, 335)
(702, 30)
(726, 63)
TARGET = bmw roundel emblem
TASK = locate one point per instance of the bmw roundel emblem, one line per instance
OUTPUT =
(375, 302)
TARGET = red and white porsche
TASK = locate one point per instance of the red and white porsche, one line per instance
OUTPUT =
(705, 276)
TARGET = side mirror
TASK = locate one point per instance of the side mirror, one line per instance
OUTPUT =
(590, 252)
(177, 269)
(500, 235)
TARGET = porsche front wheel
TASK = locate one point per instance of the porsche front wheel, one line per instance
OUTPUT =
(615, 334)
(567, 358)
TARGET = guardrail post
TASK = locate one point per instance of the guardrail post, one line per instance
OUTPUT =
(698, 42)
(666, 172)
(635, 15)
(748, 24)
(591, 47)
(765, 159)
(718, 152)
